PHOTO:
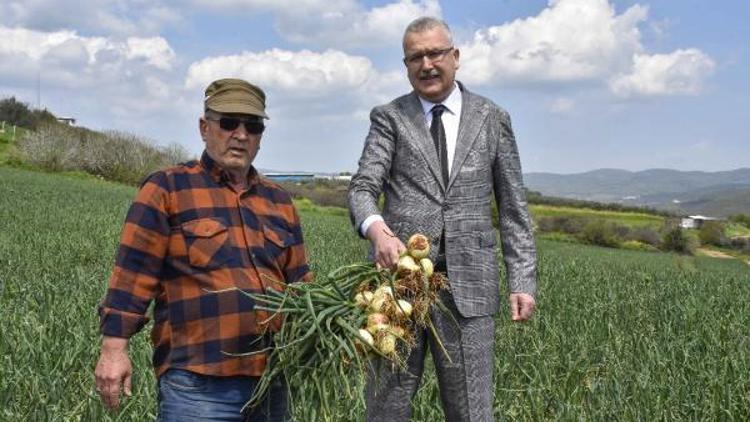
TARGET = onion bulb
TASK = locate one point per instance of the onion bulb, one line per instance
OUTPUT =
(418, 246)
(377, 318)
(384, 290)
(427, 266)
(404, 308)
(406, 264)
(375, 328)
(377, 322)
(387, 344)
(378, 302)
(397, 331)
(366, 337)
(363, 299)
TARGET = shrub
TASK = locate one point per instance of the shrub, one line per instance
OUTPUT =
(546, 224)
(113, 156)
(743, 219)
(328, 193)
(740, 243)
(676, 239)
(712, 233)
(635, 245)
(18, 113)
(645, 235)
(562, 224)
(602, 233)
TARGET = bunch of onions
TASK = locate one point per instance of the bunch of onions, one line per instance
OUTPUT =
(335, 325)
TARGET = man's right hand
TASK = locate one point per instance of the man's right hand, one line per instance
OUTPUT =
(387, 246)
(113, 370)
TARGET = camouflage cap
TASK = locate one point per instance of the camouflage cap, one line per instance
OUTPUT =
(235, 96)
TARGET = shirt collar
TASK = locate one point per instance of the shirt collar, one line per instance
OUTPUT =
(452, 103)
(219, 175)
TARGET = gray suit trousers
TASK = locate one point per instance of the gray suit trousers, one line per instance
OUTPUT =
(465, 384)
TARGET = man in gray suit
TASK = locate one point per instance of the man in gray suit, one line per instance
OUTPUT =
(438, 155)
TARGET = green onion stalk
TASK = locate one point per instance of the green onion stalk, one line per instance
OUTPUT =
(336, 326)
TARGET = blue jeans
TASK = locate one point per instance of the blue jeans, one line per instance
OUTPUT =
(185, 396)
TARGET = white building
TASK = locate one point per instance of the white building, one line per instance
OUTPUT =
(694, 221)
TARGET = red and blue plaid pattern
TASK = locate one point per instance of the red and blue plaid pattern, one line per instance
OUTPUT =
(188, 243)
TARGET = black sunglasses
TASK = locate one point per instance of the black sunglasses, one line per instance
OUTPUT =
(230, 124)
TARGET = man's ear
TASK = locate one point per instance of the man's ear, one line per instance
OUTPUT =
(456, 56)
(203, 128)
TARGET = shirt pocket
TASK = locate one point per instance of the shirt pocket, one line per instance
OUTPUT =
(277, 240)
(277, 237)
(206, 240)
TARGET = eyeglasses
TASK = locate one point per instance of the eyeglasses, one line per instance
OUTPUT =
(230, 124)
(433, 56)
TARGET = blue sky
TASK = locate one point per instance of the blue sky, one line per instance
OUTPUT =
(588, 83)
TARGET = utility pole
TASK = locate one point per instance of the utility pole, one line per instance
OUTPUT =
(39, 89)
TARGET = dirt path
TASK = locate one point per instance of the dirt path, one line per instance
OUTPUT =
(713, 254)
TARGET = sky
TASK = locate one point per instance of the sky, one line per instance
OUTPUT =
(588, 83)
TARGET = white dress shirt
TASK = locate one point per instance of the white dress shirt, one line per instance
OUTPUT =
(451, 118)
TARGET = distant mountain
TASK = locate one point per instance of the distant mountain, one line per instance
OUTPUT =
(690, 192)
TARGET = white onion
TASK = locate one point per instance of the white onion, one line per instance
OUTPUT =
(366, 336)
(418, 246)
(403, 307)
(387, 344)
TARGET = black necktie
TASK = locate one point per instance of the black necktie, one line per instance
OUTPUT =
(438, 136)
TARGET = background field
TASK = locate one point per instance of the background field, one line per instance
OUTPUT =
(619, 335)
(630, 219)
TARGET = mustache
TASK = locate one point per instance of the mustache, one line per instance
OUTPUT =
(432, 73)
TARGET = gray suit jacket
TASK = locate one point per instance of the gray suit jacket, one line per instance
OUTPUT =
(399, 160)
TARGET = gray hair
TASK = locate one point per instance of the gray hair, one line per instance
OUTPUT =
(425, 23)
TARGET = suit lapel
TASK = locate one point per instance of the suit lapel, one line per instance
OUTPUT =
(417, 131)
(473, 114)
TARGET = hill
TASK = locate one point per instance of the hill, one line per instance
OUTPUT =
(689, 192)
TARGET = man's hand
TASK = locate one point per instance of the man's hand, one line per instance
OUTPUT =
(521, 306)
(387, 246)
(113, 370)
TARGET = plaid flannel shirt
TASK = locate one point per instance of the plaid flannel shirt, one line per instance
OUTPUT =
(189, 242)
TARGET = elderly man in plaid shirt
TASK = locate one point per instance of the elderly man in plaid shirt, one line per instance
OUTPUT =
(195, 237)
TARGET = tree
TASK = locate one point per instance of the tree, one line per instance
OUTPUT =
(678, 240)
(712, 233)
(20, 114)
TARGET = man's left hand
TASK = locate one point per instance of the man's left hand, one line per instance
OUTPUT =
(521, 306)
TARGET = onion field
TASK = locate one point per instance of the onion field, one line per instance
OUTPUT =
(618, 335)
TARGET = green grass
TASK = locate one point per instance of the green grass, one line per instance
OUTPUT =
(619, 335)
(7, 140)
(737, 230)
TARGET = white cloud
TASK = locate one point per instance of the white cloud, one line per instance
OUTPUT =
(329, 85)
(580, 41)
(155, 51)
(77, 53)
(122, 79)
(303, 73)
(134, 17)
(680, 72)
(334, 23)
(562, 105)
(571, 40)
